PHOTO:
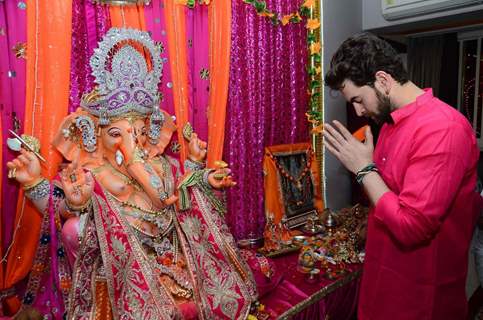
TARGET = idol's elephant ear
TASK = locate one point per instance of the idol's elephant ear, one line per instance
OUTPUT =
(167, 130)
(76, 138)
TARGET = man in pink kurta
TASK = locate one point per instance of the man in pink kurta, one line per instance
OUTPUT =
(421, 179)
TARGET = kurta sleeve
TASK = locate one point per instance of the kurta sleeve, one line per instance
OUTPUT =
(437, 164)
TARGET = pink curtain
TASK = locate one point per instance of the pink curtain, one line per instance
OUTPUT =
(198, 61)
(89, 24)
(198, 66)
(13, 31)
(267, 100)
(155, 24)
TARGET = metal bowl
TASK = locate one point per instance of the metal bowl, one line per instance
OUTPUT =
(299, 239)
(250, 243)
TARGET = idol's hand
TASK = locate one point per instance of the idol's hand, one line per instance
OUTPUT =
(77, 185)
(354, 155)
(25, 168)
(221, 178)
(196, 149)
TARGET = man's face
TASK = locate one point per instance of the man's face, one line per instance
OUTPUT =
(368, 102)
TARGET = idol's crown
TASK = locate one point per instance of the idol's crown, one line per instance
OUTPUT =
(125, 81)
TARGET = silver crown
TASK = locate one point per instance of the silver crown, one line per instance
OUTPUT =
(121, 72)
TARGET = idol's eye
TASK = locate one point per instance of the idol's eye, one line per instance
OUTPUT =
(143, 131)
(114, 132)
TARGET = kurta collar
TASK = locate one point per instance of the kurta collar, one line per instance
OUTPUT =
(407, 110)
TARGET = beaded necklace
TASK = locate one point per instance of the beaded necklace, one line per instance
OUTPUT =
(137, 225)
(127, 180)
(295, 180)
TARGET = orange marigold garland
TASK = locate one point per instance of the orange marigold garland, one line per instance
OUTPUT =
(279, 19)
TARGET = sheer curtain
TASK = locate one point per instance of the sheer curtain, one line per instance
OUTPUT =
(425, 61)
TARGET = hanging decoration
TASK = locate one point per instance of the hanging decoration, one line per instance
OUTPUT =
(261, 8)
(20, 50)
(192, 3)
(315, 114)
(304, 171)
(279, 19)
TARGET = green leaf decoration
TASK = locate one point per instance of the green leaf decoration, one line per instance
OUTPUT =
(304, 11)
(260, 6)
(275, 20)
(316, 95)
(311, 37)
(295, 19)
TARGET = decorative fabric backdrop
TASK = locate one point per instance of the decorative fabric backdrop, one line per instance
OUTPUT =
(198, 64)
(13, 33)
(89, 24)
(156, 24)
(267, 101)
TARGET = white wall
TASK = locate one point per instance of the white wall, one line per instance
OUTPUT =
(338, 24)
(372, 15)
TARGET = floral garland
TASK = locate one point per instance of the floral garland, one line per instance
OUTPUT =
(192, 3)
(277, 18)
(261, 9)
(307, 10)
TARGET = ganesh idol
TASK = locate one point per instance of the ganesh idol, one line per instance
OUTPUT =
(127, 232)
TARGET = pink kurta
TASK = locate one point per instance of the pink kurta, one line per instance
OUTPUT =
(419, 232)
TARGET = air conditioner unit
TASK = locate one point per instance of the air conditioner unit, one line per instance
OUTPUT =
(397, 9)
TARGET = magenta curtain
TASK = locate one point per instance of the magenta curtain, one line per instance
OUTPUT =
(89, 24)
(155, 24)
(198, 66)
(267, 100)
(13, 31)
(198, 61)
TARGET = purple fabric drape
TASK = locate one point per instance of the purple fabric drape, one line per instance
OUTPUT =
(89, 24)
(155, 23)
(13, 31)
(198, 66)
(267, 100)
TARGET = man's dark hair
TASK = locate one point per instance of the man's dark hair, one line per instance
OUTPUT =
(360, 57)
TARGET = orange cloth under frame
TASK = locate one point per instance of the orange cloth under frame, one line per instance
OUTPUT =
(219, 17)
(273, 196)
(49, 25)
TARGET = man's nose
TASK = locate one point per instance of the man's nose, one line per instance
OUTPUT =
(359, 109)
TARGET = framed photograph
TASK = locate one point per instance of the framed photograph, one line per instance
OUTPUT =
(292, 183)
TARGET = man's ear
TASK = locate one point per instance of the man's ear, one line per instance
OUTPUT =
(384, 82)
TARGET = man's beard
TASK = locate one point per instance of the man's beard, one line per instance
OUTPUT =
(384, 109)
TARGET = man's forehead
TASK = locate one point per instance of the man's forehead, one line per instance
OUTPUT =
(348, 89)
(348, 85)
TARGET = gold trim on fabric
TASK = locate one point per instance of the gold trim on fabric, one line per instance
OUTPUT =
(205, 209)
(192, 267)
(158, 295)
